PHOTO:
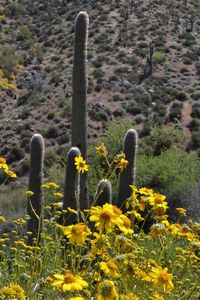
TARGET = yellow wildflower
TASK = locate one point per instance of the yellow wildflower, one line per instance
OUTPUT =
(104, 217)
(29, 193)
(76, 233)
(13, 291)
(129, 296)
(72, 211)
(69, 282)
(162, 279)
(81, 165)
(126, 226)
(2, 160)
(158, 297)
(136, 215)
(181, 211)
(107, 291)
(59, 195)
(122, 164)
(2, 219)
(49, 185)
(11, 174)
(101, 150)
(110, 269)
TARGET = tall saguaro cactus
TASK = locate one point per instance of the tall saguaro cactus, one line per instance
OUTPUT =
(34, 205)
(127, 176)
(79, 97)
(71, 191)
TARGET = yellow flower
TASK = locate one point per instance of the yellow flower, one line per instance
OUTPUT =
(29, 193)
(110, 269)
(136, 215)
(81, 165)
(158, 297)
(101, 150)
(50, 184)
(160, 209)
(69, 282)
(2, 160)
(59, 195)
(2, 219)
(129, 296)
(72, 211)
(156, 198)
(104, 217)
(98, 244)
(13, 291)
(107, 291)
(76, 233)
(122, 164)
(11, 174)
(126, 226)
(162, 279)
(181, 211)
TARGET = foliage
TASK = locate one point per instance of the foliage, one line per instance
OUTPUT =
(8, 60)
(174, 173)
(106, 253)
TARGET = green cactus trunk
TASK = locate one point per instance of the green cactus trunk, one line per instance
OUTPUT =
(34, 205)
(104, 193)
(79, 98)
(127, 176)
(72, 189)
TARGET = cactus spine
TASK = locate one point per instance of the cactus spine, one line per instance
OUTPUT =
(34, 206)
(79, 97)
(71, 190)
(104, 193)
(127, 176)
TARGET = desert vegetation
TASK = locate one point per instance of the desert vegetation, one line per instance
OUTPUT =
(99, 156)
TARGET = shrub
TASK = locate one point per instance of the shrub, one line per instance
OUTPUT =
(174, 173)
(158, 57)
(175, 112)
(16, 153)
(180, 95)
(8, 60)
(195, 110)
(195, 139)
(52, 132)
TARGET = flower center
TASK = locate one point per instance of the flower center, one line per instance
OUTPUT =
(78, 229)
(105, 215)
(111, 266)
(69, 278)
(163, 277)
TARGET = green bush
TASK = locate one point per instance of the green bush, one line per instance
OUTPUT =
(174, 173)
(195, 110)
(158, 57)
(51, 132)
(8, 60)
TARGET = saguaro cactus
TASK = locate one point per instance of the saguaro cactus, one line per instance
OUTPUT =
(79, 97)
(34, 205)
(104, 192)
(127, 176)
(71, 191)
